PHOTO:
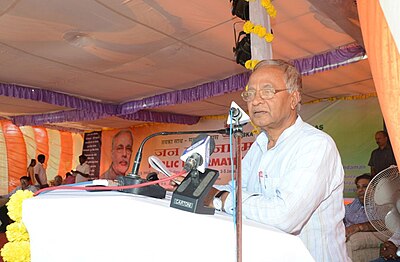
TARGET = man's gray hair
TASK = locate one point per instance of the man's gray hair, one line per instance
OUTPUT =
(292, 77)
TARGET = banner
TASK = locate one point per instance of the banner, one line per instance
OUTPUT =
(116, 153)
(92, 149)
(170, 148)
(352, 124)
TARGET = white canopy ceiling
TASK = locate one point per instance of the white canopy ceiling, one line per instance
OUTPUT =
(115, 51)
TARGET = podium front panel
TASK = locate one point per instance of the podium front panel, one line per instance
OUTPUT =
(114, 226)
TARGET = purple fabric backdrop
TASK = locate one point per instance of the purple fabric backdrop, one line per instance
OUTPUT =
(84, 109)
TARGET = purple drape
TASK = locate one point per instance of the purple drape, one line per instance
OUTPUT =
(84, 109)
(329, 60)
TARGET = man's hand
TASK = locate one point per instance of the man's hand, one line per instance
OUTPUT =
(388, 250)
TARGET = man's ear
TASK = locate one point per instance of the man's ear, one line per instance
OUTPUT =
(295, 99)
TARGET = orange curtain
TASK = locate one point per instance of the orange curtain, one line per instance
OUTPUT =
(66, 154)
(42, 142)
(16, 154)
(384, 60)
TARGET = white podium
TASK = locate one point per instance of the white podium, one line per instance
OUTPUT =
(114, 226)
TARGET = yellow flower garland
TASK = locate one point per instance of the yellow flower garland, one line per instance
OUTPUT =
(18, 247)
(269, 7)
(250, 64)
(259, 30)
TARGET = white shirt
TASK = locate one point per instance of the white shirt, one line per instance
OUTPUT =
(41, 172)
(297, 186)
(85, 169)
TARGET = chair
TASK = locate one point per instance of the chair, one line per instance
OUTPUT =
(364, 246)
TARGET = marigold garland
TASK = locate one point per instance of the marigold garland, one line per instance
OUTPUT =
(269, 7)
(17, 232)
(250, 64)
(345, 98)
(18, 247)
(14, 205)
(259, 30)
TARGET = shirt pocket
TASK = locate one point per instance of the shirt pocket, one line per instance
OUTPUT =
(270, 188)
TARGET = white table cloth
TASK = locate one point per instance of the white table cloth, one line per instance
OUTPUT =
(114, 226)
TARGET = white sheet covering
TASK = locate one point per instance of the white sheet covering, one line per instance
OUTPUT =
(113, 226)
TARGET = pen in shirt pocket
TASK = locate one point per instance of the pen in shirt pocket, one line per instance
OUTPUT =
(261, 178)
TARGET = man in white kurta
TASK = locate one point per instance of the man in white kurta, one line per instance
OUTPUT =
(292, 176)
(82, 171)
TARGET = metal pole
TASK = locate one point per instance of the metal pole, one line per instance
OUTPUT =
(239, 196)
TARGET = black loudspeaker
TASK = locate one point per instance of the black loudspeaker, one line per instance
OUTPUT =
(240, 8)
(243, 48)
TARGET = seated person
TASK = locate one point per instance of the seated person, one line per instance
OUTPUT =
(355, 219)
(25, 185)
(69, 179)
(362, 240)
(388, 250)
(57, 181)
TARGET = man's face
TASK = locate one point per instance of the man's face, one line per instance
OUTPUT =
(361, 185)
(274, 112)
(121, 153)
(381, 139)
(24, 184)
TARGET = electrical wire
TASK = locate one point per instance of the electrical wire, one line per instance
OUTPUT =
(232, 169)
(102, 188)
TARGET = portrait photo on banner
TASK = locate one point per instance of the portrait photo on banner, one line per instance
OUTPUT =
(116, 153)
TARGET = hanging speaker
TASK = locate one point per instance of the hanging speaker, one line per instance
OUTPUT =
(240, 8)
(243, 48)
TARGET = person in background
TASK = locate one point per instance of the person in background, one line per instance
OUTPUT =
(69, 179)
(82, 171)
(40, 172)
(388, 250)
(31, 172)
(57, 181)
(25, 184)
(292, 176)
(355, 219)
(381, 157)
(121, 154)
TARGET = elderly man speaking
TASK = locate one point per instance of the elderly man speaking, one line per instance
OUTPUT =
(292, 174)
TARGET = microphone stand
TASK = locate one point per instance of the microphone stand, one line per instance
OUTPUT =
(238, 132)
(238, 136)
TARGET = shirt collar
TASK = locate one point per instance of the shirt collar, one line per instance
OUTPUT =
(262, 139)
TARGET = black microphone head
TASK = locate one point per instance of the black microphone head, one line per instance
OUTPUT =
(235, 112)
(152, 176)
(202, 136)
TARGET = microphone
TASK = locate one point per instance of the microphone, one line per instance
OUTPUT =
(192, 193)
(197, 156)
(235, 113)
(152, 176)
(237, 116)
(138, 157)
(158, 165)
